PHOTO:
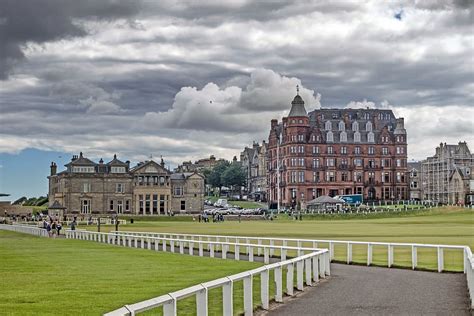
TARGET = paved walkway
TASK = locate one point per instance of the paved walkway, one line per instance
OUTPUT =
(360, 290)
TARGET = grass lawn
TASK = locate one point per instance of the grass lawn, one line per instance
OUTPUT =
(41, 276)
(449, 225)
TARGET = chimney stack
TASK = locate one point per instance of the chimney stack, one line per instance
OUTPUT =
(53, 168)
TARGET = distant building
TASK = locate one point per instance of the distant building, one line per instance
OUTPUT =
(335, 152)
(199, 165)
(446, 176)
(414, 176)
(254, 162)
(86, 187)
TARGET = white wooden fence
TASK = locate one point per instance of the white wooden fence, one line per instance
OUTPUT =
(25, 229)
(295, 242)
(311, 264)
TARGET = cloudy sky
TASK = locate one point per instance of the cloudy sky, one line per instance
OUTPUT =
(186, 79)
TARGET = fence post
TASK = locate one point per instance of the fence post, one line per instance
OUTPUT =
(181, 247)
(191, 248)
(259, 249)
(414, 258)
(331, 250)
(164, 245)
(327, 264)
(440, 259)
(349, 253)
(148, 243)
(266, 259)
(250, 252)
(172, 245)
(211, 250)
(369, 254)
(201, 302)
(237, 252)
(248, 296)
(289, 279)
(169, 309)
(315, 260)
(201, 250)
(264, 289)
(227, 299)
(307, 267)
(272, 243)
(390, 255)
(299, 275)
(278, 284)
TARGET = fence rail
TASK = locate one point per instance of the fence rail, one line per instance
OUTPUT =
(390, 247)
(310, 265)
(25, 229)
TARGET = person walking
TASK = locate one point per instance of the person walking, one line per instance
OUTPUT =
(73, 224)
(48, 228)
(58, 228)
(54, 229)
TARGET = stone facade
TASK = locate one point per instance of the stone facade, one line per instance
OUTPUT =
(86, 187)
(335, 152)
(446, 175)
(414, 176)
(187, 191)
(254, 162)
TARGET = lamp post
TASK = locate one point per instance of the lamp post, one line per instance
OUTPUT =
(278, 173)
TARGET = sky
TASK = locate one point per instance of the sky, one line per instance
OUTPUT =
(187, 79)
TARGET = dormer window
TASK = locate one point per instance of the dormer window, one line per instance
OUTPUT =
(342, 126)
(83, 169)
(117, 170)
(343, 137)
(370, 137)
(328, 126)
(329, 137)
(355, 126)
(357, 137)
(368, 127)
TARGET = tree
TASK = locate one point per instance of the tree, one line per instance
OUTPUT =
(215, 176)
(233, 176)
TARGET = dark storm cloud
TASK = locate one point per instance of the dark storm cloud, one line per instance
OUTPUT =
(113, 75)
(39, 21)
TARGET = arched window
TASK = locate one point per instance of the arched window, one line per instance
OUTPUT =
(357, 137)
(328, 126)
(342, 126)
(368, 126)
(329, 137)
(370, 137)
(343, 137)
(355, 126)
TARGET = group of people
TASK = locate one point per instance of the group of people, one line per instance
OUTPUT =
(53, 227)
(205, 218)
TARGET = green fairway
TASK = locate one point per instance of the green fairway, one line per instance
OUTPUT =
(452, 226)
(43, 276)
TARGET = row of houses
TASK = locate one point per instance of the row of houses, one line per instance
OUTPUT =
(446, 177)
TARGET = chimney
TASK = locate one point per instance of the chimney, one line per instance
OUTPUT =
(162, 163)
(53, 168)
(128, 164)
(80, 154)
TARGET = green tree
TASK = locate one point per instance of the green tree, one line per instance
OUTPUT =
(234, 177)
(215, 176)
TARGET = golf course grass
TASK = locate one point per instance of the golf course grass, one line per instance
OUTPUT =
(448, 225)
(41, 276)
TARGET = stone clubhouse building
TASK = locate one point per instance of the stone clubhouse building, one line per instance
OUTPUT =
(336, 152)
(91, 188)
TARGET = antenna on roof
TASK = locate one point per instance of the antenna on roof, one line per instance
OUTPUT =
(297, 90)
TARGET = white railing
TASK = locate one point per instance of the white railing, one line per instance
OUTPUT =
(390, 247)
(309, 268)
(468, 259)
(25, 229)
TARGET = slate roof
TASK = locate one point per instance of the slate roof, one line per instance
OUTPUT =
(324, 199)
(116, 162)
(56, 206)
(297, 107)
(81, 161)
